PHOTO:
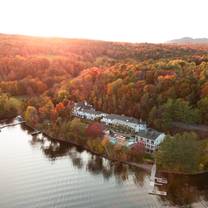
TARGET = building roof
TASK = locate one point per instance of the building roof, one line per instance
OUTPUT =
(124, 118)
(83, 105)
(91, 111)
(149, 134)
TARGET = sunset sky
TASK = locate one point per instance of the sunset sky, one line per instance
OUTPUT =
(117, 20)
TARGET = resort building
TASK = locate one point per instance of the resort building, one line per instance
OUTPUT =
(149, 137)
(84, 110)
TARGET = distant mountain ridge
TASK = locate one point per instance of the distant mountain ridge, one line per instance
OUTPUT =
(189, 40)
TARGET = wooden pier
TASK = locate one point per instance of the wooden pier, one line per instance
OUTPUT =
(156, 181)
(161, 180)
(152, 183)
(157, 192)
(35, 132)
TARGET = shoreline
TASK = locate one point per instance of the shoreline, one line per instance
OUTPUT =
(182, 173)
(144, 166)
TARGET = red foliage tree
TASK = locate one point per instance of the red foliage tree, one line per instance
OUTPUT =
(137, 152)
(59, 107)
(95, 129)
(139, 148)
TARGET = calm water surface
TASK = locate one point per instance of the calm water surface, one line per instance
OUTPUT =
(36, 172)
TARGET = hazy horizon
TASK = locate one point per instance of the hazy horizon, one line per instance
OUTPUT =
(122, 21)
(92, 39)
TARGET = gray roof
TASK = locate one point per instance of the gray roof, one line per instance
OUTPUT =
(91, 111)
(82, 105)
(149, 134)
(124, 118)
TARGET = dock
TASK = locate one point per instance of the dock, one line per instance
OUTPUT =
(152, 183)
(35, 132)
(161, 180)
(156, 181)
(153, 172)
(157, 192)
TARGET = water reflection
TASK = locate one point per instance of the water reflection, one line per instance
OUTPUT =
(185, 190)
(95, 164)
(69, 173)
(182, 190)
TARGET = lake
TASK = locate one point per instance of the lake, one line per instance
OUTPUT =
(37, 172)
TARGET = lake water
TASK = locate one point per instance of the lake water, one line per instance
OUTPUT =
(36, 172)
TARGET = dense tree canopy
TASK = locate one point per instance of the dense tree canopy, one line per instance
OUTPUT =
(182, 153)
(9, 107)
(159, 83)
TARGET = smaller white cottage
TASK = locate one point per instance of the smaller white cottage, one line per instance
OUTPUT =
(151, 139)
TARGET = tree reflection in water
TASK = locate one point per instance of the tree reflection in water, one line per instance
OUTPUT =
(94, 164)
(182, 190)
(97, 165)
(185, 190)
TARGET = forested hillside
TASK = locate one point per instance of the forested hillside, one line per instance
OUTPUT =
(159, 83)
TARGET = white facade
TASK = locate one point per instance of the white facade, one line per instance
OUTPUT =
(116, 121)
(151, 144)
(86, 115)
(107, 120)
(90, 114)
(159, 139)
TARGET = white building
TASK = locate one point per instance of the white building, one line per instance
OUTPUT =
(89, 114)
(151, 139)
(86, 111)
(128, 122)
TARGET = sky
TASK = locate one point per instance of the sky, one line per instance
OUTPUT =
(114, 20)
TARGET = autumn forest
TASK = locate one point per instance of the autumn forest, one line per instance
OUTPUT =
(165, 85)
(158, 83)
